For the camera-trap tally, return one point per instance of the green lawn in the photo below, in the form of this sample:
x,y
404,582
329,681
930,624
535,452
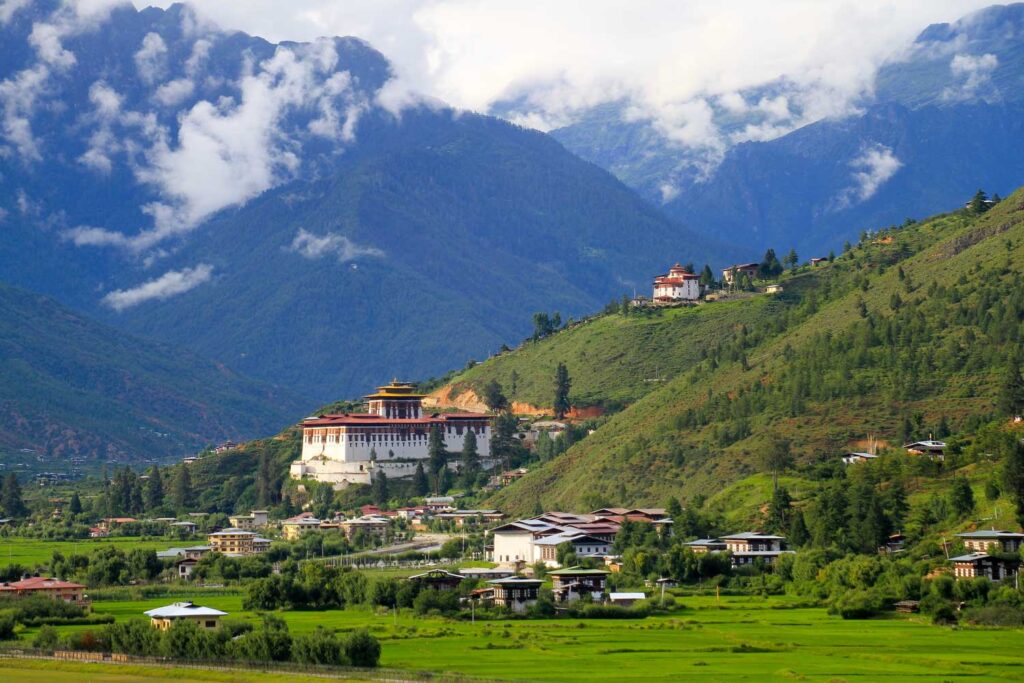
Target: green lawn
x,y
742,638
32,671
32,551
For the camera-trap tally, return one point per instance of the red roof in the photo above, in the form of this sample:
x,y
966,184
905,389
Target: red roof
x,y
37,583
372,420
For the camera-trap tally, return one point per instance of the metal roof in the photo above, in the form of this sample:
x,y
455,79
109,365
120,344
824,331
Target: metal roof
x,y
183,609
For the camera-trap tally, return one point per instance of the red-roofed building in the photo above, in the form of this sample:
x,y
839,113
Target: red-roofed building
x,y
676,285
53,588
392,438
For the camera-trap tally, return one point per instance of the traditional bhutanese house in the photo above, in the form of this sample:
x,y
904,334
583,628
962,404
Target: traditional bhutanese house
x,y
583,545
187,527
97,532
929,447
513,542
294,527
855,458
625,599
237,542
170,554
572,583
108,523
706,545
197,551
604,531
485,574
676,285
204,617
463,517
818,261
751,546
992,541
375,526
507,478
908,606
515,592
982,564
614,563
56,589
895,543
253,520
439,503
185,566
738,270
773,289
437,579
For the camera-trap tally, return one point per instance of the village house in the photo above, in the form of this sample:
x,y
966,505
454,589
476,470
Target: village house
x,y
187,527
110,523
437,504
994,568
511,476
774,289
293,527
929,447
485,574
56,589
992,541
375,526
818,261
515,592
735,272
437,579
256,519
463,517
225,447
751,546
572,583
855,458
185,566
204,617
237,542
583,545
625,599
391,438
706,545
676,285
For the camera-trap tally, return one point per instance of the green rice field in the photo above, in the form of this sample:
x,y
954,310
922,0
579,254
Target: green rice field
x,y
32,551
737,638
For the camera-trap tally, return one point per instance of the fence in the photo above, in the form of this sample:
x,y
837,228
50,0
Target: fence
x,y
347,672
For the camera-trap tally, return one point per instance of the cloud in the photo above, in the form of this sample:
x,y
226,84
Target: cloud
x,y
151,59
8,8
873,167
45,38
974,72
174,92
313,246
169,284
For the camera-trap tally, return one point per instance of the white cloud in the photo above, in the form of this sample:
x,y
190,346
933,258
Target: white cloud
x,y
331,244
200,52
18,97
174,92
106,100
151,59
8,8
45,38
873,167
169,284
974,72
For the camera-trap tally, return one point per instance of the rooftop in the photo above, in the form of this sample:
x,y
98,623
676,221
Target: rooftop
x,y
991,533
183,609
38,583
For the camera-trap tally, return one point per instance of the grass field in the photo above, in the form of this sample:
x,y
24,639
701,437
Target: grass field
x,y
32,671
32,551
740,638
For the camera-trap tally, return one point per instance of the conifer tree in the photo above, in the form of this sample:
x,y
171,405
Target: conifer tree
x,y
779,510
154,489
420,486
494,396
10,497
470,454
75,506
1011,391
265,481
1013,478
562,386
380,489
961,497
798,534
707,278
435,448
181,489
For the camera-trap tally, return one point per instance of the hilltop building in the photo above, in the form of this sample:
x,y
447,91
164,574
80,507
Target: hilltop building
x,y
676,285
738,270
391,438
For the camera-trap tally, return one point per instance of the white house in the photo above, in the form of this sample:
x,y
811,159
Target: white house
x,y
392,438
676,285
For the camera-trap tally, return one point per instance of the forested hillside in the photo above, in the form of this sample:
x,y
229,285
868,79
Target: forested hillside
x,y
908,333
72,387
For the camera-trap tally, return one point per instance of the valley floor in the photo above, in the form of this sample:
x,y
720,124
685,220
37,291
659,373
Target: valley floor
x,y
739,638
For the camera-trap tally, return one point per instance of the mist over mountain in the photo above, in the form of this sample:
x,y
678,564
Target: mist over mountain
x,y
942,119
269,206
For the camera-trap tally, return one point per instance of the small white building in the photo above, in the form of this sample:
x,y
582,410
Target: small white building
x,y
676,285
204,617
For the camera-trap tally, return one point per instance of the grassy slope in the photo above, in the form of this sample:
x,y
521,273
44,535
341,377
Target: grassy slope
x,y
613,359
642,455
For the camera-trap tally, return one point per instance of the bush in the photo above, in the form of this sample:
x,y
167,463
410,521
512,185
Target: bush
x,y
857,605
944,615
995,615
46,639
134,637
435,601
362,649
7,624
320,647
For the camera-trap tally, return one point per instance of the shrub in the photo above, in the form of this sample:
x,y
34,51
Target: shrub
x,y
362,649
995,615
46,639
134,637
7,624
319,647
857,605
430,601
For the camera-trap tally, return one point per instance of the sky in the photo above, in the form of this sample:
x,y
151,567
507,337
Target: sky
x,y
556,58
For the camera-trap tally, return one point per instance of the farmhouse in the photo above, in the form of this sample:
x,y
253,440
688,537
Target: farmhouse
x,y
515,593
437,579
187,527
56,589
676,285
391,438
992,541
750,546
931,447
774,289
855,458
204,617
625,599
982,564
733,273
706,545
583,545
484,573
572,583
370,524
254,520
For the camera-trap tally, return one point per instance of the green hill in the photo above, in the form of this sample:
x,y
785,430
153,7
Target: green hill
x,y
72,387
907,333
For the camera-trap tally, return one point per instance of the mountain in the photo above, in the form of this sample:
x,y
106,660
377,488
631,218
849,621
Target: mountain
x,y
265,205
73,388
772,176
907,334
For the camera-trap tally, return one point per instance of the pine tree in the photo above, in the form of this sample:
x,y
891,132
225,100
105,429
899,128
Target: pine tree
x,y
75,506
420,486
470,454
779,510
513,383
444,481
154,489
776,457
10,497
494,397
979,203
674,508
380,489
961,497
791,260
435,448
798,535
1011,391
1013,478
562,386
707,278
265,481
181,489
